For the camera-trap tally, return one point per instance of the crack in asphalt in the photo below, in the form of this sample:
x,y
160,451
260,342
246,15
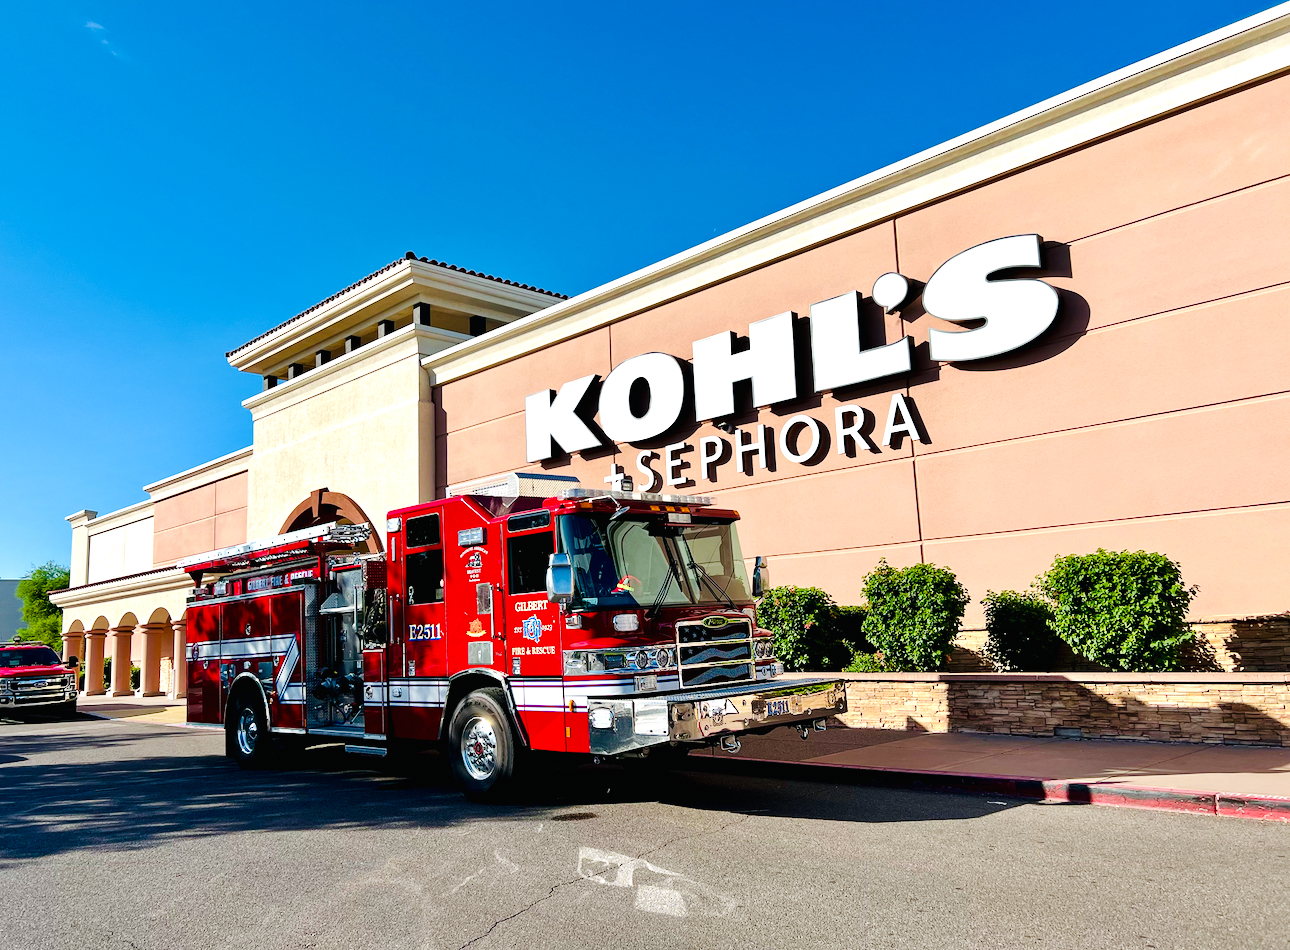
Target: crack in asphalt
x,y
522,910
555,887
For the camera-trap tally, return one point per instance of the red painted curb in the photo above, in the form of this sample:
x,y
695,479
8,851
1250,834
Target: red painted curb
x,y
1226,804
1260,808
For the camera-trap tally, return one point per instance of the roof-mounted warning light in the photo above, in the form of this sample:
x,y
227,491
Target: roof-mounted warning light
x,y
589,494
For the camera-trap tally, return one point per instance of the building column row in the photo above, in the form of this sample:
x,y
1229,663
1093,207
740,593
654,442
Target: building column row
x,y
92,662
149,643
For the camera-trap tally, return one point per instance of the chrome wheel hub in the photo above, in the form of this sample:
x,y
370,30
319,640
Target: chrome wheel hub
x,y
479,749
248,732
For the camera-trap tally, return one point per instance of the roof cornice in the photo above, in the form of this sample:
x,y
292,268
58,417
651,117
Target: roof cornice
x,y
1245,52
157,581
212,471
396,285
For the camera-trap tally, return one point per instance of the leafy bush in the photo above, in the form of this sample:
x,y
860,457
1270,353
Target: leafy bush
x,y
1126,610
135,673
865,663
914,615
1019,633
811,631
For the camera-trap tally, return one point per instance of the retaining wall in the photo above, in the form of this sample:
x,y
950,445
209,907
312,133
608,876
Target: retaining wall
x,y
1227,708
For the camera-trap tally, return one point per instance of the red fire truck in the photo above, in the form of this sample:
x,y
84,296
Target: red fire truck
x,y
525,613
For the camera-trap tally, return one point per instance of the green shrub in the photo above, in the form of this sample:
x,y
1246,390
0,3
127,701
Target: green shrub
x,y
1019,633
914,615
1126,610
865,663
135,673
811,631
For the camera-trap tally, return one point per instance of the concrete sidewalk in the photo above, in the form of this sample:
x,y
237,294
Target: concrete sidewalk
x,y
161,710
1239,781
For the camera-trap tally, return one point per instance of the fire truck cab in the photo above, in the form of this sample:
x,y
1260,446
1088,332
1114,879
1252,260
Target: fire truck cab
x,y
522,613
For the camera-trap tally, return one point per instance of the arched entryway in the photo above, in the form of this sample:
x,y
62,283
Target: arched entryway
x,y
323,507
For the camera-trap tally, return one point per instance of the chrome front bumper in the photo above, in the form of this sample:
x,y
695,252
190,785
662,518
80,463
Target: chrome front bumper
x,y
699,715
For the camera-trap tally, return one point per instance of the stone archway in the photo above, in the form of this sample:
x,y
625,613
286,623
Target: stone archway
x,y
323,507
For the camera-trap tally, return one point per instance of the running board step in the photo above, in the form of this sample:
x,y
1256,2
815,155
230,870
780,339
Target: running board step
x,y
365,749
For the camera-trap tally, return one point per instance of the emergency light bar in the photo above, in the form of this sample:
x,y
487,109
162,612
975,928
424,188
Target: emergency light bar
x,y
331,532
512,485
699,501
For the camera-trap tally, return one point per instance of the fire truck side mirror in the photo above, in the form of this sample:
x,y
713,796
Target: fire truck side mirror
x,y
559,579
758,582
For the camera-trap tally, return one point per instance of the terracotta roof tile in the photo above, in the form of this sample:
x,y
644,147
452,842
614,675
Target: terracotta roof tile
x,y
409,256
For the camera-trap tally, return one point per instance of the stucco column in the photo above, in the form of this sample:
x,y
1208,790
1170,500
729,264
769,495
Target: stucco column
x,y
150,657
121,637
93,663
73,646
179,685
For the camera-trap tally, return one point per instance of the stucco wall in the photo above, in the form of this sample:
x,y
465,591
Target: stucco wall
x,y
363,432
125,549
201,519
1147,417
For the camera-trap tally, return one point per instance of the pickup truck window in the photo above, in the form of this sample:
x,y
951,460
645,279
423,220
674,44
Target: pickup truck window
x,y
41,656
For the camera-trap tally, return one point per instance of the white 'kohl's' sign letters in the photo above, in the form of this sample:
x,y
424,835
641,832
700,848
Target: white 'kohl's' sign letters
x,y
1015,311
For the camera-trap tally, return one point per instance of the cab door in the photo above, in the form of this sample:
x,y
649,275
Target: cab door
x,y
414,690
531,625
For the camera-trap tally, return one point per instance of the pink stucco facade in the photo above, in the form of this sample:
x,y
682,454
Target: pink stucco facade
x,y
1154,414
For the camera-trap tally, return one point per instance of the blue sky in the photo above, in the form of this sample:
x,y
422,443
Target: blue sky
x,y
177,178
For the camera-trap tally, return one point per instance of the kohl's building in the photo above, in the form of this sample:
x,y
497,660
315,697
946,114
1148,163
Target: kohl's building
x,y
1064,331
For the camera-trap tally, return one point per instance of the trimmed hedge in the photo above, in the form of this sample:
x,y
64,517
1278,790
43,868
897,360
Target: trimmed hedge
x,y
1126,610
1019,634
811,631
914,615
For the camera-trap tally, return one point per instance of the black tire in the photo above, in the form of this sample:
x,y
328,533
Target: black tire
x,y
482,746
247,740
66,710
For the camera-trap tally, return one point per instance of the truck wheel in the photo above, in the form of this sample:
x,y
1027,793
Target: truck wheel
x,y
66,710
246,733
482,746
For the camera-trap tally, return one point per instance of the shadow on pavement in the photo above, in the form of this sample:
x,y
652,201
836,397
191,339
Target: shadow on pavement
x,y
129,797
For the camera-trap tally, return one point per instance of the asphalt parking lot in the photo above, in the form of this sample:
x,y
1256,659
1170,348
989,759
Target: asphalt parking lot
x,y
118,834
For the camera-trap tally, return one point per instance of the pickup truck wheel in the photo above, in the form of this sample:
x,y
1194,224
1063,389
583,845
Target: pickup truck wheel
x,y
66,710
246,733
482,746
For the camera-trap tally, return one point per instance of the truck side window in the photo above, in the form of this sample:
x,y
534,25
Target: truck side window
x,y
526,561
425,577
422,531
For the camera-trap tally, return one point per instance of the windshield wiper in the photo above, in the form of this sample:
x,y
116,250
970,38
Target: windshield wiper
x,y
667,580
712,584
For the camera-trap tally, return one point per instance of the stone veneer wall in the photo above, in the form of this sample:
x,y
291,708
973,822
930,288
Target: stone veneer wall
x,y
1242,709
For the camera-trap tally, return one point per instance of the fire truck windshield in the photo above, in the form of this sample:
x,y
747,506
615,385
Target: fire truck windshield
x,y
643,562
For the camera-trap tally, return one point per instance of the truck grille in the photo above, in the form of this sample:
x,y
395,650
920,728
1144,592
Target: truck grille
x,y
710,654
40,689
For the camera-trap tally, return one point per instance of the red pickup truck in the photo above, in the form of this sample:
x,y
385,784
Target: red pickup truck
x,y
32,676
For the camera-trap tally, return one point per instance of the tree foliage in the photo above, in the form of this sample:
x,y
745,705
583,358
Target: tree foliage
x,y
914,615
1126,610
43,622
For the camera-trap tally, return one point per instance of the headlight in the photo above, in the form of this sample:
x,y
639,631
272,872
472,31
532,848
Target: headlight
x,y
764,649
71,679
625,623
6,685
663,658
642,660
